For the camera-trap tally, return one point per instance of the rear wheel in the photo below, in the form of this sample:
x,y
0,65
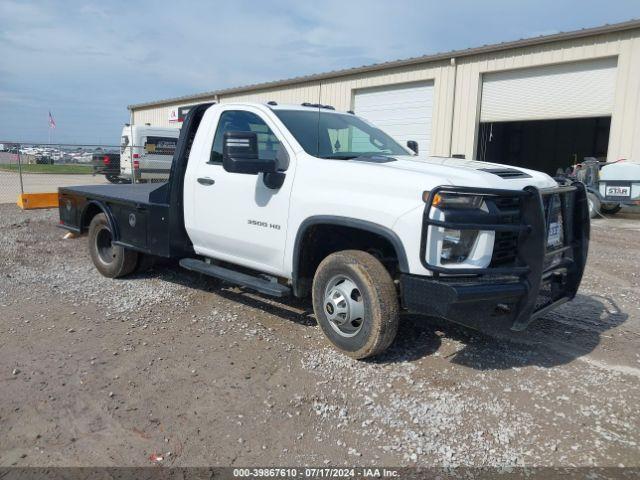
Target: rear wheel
x,y
113,179
610,208
111,260
356,304
594,205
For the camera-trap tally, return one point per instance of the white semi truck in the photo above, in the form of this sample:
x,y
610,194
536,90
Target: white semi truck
x,y
310,202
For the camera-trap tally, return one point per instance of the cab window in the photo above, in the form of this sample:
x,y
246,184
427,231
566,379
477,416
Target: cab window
x,y
241,121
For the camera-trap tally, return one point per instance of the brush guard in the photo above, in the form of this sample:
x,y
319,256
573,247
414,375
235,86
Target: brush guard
x,y
537,279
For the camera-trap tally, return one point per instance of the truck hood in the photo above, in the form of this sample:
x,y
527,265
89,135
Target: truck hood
x,y
468,173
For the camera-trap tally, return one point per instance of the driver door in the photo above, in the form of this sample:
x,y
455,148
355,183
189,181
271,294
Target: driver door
x,y
237,217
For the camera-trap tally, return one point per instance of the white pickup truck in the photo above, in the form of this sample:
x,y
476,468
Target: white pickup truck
x,y
307,201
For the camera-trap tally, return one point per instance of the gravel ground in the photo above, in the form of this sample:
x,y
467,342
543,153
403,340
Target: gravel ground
x,y
110,372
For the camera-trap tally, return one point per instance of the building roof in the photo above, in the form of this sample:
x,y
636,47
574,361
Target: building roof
x,y
496,47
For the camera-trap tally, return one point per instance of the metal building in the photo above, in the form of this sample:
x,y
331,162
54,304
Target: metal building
x,y
544,102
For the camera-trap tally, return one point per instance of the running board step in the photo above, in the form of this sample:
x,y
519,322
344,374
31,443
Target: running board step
x,y
237,278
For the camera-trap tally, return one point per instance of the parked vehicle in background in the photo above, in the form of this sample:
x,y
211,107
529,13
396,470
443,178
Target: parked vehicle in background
x,y
609,185
146,152
107,164
310,202
43,159
8,147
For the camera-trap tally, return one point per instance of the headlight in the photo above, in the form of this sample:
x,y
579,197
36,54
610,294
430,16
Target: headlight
x,y
446,200
453,247
457,245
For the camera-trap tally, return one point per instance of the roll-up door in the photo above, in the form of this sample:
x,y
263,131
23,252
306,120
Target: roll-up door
x,y
403,111
568,90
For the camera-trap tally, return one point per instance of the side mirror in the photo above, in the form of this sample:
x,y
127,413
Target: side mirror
x,y
413,145
240,154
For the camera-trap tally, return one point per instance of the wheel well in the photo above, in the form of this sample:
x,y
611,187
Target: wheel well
x,y
89,212
320,240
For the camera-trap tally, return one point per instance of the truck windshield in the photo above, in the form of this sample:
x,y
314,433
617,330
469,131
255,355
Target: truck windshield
x,y
337,135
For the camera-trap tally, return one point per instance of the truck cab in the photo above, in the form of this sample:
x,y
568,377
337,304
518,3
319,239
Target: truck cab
x,y
303,200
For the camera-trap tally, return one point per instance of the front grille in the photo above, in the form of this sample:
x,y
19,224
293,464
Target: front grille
x,y
505,247
508,211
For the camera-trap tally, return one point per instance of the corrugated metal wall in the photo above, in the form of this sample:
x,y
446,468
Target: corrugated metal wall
x,y
465,76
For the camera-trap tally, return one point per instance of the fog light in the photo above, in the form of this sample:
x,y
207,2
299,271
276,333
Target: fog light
x,y
457,245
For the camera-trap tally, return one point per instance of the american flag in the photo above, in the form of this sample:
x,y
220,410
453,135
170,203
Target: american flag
x,y
52,122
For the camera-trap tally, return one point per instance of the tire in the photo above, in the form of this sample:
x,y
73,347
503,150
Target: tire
x,y
372,303
110,260
610,208
113,179
594,205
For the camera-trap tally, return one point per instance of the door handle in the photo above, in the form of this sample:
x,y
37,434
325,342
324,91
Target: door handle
x,y
206,181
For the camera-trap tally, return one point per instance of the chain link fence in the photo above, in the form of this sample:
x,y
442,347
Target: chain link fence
x,y
43,168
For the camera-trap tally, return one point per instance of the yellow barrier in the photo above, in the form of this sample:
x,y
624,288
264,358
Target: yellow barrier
x,y
30,201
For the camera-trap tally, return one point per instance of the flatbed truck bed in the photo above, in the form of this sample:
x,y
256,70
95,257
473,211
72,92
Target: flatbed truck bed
x,y
139,214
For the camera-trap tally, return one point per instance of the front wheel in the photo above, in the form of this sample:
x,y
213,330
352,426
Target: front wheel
x,y
594,205
356,304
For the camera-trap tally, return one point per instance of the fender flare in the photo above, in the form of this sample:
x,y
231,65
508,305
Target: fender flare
x,y
378,229
100,205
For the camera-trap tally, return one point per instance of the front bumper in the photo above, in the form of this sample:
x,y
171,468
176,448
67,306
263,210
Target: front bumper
x,y
539,277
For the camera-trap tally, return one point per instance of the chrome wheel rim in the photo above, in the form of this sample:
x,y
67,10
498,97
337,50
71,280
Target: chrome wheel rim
x,y
343,306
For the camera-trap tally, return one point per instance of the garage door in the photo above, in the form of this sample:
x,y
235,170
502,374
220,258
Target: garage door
x,y
404,112
568,90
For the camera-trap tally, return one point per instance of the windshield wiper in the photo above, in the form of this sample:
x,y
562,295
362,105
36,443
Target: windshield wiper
x,y
340,157
373,158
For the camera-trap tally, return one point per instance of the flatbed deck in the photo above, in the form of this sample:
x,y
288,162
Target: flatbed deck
x,y
135,193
